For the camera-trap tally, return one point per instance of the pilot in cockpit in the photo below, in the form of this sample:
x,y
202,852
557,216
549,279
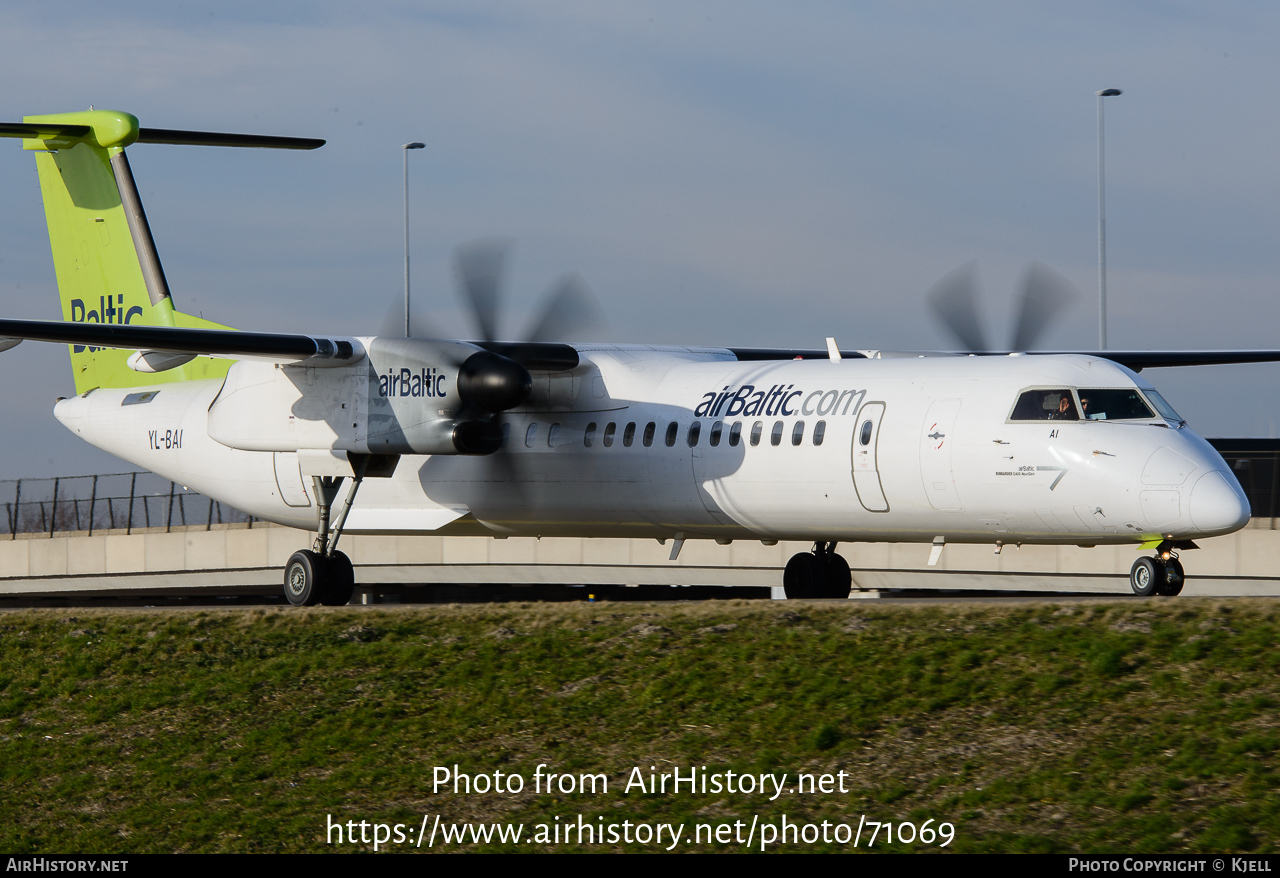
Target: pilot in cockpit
x,y
1065,411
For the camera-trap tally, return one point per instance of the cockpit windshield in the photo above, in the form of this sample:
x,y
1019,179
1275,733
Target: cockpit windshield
x,y
1045,405
1093,404
1114,405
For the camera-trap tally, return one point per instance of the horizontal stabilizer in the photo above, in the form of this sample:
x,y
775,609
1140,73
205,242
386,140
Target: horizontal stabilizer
x,y
210,138
109,128
42,132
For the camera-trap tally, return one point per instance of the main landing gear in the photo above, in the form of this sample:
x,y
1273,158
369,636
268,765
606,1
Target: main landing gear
x,y
817,574
1160,575
322,574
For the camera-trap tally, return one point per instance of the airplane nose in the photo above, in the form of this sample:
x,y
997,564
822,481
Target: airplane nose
x,y
1218,505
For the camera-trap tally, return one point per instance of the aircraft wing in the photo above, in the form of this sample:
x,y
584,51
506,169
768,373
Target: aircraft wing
x,y
1139,360
232,344
277,347
293,348
1135,360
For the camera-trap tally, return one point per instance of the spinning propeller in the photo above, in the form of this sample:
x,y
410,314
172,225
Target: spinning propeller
x,y
497,379
1045,294
569,309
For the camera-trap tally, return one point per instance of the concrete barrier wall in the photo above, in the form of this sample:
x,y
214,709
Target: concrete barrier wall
x,y
258,555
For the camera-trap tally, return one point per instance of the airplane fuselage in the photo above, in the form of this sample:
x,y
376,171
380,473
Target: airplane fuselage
x,y
667,442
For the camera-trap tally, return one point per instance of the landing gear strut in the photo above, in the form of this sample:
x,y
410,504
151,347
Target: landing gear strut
x,y
322,574
817,574
1161,574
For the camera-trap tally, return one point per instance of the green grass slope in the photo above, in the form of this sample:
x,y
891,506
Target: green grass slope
x,y
1094,727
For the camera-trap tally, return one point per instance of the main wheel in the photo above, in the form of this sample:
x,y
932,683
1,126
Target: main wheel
x,y
305,578
1173,580
839,581
804,577
342,581
1145,576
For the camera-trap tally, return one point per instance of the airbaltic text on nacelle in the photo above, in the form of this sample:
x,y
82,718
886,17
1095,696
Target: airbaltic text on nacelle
x,y
779,399
426,382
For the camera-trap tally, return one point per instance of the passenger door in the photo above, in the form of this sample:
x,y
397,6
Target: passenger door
x,y
866,468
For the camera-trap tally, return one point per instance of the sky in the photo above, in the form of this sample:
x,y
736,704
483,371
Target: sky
x,y
720,173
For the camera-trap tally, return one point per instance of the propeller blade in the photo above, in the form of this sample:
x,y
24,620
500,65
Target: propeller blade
x,y
392,324
571,309
954,302
505,464
480,265
1045,295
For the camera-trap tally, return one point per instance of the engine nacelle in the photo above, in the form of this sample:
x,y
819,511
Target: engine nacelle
x,y
407,396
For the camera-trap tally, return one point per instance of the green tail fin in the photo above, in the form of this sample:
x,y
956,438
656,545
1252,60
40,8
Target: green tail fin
x,y
105,259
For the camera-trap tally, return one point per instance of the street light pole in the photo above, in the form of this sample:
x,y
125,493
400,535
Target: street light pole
x,y
1102,223
405,149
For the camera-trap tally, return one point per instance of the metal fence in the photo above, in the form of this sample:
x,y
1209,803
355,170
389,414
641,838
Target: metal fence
x,y
113,501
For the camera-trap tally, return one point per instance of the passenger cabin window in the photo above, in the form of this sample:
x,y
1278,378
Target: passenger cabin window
x,y
673,430
756,429
609,430
531,435
695,430
506,434
649,429
589,437
1114,405
717,430
819,432
1045,405
629,434
735,434
797,433
775,438
553,433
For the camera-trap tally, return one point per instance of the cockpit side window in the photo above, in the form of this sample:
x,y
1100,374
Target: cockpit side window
x,y
1164,408
1124,404
1046,405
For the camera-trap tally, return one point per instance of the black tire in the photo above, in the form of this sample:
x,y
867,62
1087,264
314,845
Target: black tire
x,y
1145,576
342,581
1173,580
305,578
839,581
804,577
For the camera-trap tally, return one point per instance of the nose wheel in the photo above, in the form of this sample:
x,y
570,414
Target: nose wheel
x,y
817,574
1158,575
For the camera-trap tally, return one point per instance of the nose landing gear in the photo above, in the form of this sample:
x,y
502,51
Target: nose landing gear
x,y
1161,575
817,574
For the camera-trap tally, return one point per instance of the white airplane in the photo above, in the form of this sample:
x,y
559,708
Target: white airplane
x,y
542,438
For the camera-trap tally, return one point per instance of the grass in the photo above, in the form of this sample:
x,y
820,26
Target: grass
x,y
1097,727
